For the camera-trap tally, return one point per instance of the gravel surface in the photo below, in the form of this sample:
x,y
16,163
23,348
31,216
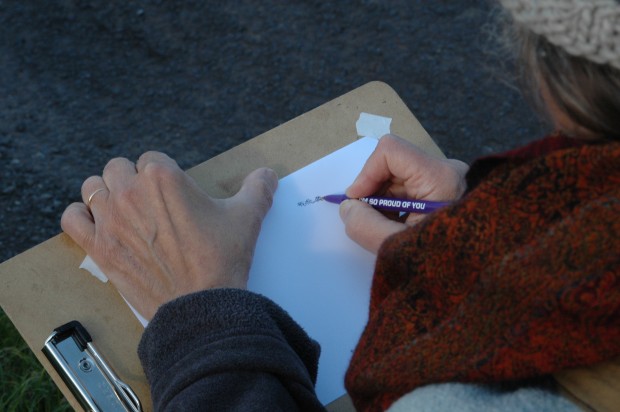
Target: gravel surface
x,y
83,81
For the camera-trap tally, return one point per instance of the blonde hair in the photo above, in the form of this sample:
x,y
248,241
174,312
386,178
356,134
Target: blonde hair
x,y
581,76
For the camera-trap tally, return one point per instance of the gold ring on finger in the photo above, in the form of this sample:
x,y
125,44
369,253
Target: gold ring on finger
x,y
90,198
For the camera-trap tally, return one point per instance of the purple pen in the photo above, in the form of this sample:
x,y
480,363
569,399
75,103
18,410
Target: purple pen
x,y
393,205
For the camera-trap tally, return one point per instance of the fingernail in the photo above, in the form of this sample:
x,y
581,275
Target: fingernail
x,y
271,176
344,208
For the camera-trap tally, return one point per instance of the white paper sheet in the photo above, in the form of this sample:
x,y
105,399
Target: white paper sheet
x,y
305,262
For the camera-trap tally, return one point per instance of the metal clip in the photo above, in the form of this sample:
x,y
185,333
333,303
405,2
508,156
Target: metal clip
x,y
96,387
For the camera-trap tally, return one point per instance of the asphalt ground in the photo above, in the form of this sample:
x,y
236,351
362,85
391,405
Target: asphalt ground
x,y
83,81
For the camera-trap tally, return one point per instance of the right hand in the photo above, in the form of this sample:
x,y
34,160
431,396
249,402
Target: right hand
x,y
398,168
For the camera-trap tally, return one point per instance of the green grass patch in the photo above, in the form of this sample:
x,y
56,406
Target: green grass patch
x,y
25,384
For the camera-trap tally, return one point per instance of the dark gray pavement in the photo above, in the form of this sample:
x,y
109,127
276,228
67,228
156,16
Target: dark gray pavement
x,y
82,81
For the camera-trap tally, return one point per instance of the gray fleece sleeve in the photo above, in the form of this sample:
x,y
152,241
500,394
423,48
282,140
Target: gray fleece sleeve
x,y
228,349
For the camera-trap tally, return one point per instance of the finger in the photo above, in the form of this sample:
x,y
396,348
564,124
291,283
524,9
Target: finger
x,y
154,157
257,191
92,193
118,173
390,159
78,223
366,226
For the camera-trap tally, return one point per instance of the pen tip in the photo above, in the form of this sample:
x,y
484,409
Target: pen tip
x,y
334,198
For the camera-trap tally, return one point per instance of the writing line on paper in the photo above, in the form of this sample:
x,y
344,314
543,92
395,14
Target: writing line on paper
x,y
310,201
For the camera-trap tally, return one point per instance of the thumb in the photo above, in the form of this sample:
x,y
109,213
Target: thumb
x,y
257,191
366,226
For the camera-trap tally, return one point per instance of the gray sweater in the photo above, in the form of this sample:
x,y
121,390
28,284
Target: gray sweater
x,y
228,350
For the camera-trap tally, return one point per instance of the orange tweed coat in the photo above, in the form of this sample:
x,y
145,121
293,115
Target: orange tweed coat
x,y
518,279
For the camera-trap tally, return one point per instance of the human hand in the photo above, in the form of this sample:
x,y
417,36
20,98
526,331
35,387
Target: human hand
x,y
158,236
399,169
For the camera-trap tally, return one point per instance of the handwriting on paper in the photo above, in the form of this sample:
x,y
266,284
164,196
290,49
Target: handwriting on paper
x,y
310,201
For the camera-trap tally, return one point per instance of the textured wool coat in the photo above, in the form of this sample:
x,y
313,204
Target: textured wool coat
x,y
520,278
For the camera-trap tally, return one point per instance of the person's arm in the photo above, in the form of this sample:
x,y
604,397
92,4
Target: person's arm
x,y
228,350
171,249
397,168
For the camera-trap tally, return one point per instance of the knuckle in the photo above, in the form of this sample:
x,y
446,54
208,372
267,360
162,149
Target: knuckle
x,y
152,154
161,172
452,180
389,140
112,163
90,181
66,219
385,141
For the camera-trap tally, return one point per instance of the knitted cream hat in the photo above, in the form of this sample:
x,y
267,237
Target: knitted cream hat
x,y
585,28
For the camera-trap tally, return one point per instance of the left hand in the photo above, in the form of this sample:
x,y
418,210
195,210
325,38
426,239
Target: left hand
x,y
158,236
